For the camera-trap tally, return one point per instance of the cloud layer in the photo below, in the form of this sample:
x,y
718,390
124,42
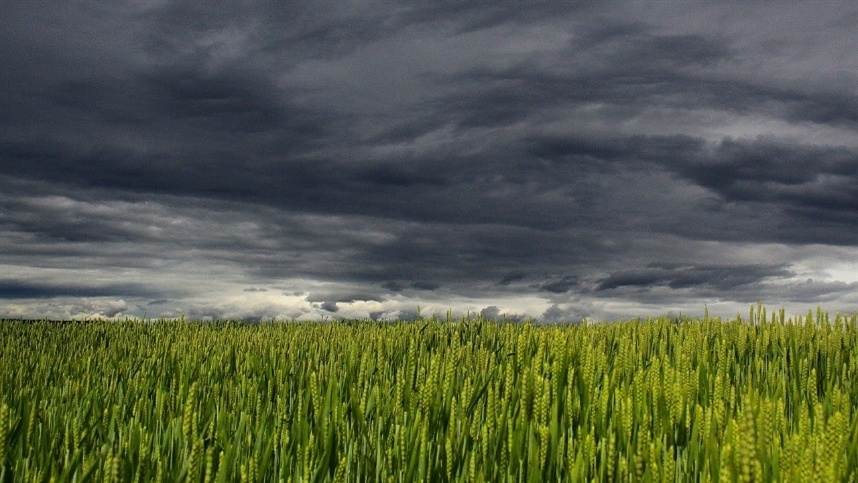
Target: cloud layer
x,y
310,161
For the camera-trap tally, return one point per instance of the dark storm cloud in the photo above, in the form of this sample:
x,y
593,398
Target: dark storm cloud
x,y
28,290
423,285
284,159
465,17
194,121
623,66
512,277
407,152
420,285
659,289
462,256
807,292
342,297
632,70
225,102
678,277
564,314
561,285
492,312
821,180
329,306
816,185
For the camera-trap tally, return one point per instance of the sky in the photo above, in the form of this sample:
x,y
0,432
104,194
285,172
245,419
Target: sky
x,y
326,160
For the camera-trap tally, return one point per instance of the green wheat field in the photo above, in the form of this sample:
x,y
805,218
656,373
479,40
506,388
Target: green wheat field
x,y
767,398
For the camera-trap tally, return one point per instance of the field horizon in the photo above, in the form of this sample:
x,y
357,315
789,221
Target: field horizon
x,y
754,314
767,398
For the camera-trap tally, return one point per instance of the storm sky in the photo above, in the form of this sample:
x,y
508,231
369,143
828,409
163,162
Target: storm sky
x,y
358,160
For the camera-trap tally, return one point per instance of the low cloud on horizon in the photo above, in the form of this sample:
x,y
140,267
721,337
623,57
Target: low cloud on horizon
x,y
323,160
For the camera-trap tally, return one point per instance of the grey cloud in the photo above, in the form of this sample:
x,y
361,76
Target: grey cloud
x,y
423,285
409,314
660,285
631,79
406,153
331,301
234,103
465,17
724,277
815,184
346,297
206,104
330,306
492,312
808,292
382,175
512,277
28,290
819,178
420,285
569,313
561,285
393,286
265,30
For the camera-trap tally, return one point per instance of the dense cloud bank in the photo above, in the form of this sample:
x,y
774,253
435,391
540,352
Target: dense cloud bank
x,y
321,160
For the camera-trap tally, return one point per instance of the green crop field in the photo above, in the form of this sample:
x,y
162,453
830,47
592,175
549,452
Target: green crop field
x,y
764,399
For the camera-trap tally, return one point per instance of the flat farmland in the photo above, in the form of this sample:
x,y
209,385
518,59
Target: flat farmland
x,y
767,398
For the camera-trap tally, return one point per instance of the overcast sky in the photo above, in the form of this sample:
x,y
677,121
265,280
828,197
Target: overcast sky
x,y
335,159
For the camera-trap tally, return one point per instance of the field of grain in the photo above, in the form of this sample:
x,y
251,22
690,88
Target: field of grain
x,y
765,399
